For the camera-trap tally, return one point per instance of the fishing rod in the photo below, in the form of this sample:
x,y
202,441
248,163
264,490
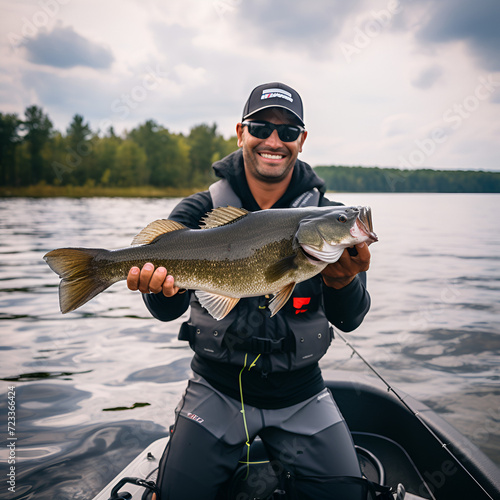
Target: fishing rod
x,y
416,414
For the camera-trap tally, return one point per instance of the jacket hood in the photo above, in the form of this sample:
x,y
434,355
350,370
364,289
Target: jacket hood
x,y
303,179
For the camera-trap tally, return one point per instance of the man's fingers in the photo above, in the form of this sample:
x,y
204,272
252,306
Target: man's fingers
x,y
345,259
145,277
149,280
168,286
349,265
156,282
363,252
363,257
133,278
342,272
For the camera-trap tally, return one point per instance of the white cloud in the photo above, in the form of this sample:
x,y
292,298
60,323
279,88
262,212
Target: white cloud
x,y
428,77
186,62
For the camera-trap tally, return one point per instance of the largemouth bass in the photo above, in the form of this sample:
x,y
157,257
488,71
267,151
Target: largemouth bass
x,y
235,254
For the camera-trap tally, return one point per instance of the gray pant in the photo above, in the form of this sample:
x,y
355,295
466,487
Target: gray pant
x,y
310,439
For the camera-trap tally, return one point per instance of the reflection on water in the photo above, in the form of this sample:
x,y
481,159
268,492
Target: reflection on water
x,y
95,386
122,408
176,370
40,375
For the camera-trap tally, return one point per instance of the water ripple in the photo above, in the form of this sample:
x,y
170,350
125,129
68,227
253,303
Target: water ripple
x,y
95,386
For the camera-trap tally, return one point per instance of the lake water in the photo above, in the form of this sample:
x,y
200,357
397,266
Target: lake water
x,y
94,387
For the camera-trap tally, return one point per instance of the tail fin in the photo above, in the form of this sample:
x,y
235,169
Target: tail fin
x,y
81,279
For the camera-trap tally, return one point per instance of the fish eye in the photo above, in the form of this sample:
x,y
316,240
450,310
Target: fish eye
x,y
342,218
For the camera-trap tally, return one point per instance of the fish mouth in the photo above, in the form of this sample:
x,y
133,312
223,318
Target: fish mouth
x,y
327,255
311,258
365,224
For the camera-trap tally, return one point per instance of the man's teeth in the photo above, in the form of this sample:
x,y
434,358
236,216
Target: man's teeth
x,y
271,157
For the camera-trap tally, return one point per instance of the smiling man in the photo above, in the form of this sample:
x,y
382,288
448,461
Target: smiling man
x,y
251,374
270,158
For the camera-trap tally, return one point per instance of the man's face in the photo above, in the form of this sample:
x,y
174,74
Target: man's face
x,y
269,160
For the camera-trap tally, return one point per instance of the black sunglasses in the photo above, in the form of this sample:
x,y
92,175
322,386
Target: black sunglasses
x,y
262,130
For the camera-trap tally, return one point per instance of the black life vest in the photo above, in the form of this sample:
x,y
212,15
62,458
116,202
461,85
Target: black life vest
x,y
297,336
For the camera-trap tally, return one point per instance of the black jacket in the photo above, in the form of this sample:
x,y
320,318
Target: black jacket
x,y
344,308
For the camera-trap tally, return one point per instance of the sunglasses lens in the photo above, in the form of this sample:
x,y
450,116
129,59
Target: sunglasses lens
x,y
262,130
288,133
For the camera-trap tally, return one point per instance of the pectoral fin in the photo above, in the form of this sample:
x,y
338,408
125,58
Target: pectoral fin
x,y
280,298
277,270
219,306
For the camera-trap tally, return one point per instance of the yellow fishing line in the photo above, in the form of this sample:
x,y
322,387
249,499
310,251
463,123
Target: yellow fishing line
x,y
253,362
243,412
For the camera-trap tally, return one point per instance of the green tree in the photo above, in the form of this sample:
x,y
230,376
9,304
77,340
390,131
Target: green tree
x,y
60,161
174,171
38,129
151,138
9,139
130,165
78,132
223,146
80,149
202,142
106,149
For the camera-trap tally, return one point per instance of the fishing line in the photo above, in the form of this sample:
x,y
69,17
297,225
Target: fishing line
x,y
413,412
247,444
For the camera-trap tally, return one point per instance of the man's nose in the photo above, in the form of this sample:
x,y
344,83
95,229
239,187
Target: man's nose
x,y
273,141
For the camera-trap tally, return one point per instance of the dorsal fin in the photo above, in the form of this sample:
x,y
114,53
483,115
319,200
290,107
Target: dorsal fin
x,y
155,229
221,216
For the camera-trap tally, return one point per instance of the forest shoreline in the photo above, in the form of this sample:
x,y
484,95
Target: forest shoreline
x,y
48,191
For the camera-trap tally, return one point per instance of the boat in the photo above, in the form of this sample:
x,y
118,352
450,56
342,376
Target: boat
x,y
401,443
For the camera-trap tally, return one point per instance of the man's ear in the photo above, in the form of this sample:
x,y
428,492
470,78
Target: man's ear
x,y
239,133
302,140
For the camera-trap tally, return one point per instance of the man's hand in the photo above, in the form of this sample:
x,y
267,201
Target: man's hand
x,y
341,273
149,280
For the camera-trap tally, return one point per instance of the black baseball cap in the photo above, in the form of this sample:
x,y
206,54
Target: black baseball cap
x,y
274,95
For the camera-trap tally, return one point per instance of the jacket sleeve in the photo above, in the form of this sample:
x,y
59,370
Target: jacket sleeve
x,y
166,308
188,212
191,210
346,308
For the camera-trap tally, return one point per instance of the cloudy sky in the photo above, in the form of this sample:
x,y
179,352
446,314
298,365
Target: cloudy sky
x,y
389,83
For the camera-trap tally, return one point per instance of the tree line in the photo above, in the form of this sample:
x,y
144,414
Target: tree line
x,y
33,152
374,179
